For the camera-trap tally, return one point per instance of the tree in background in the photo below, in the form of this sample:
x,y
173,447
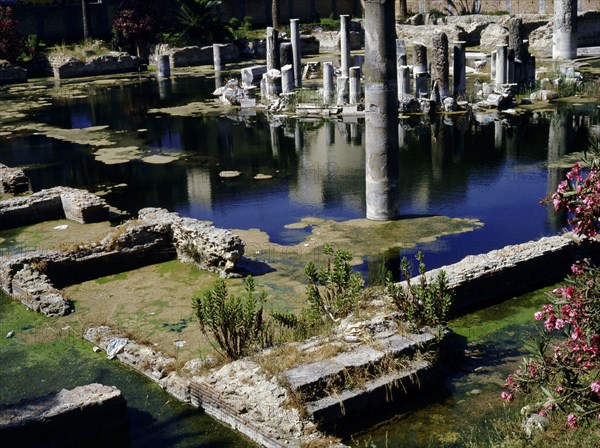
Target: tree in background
x,y
138,21
403,8
275,13
11,44
201,21
86,19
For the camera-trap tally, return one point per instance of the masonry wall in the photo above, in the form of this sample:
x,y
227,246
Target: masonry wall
x,y
489,6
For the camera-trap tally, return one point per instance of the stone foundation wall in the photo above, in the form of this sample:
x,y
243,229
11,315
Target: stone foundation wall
x,y
55,203
481,280
69,67
35,278
91,413
488,6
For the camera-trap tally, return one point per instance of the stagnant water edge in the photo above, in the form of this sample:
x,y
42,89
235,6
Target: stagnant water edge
x,y
45,356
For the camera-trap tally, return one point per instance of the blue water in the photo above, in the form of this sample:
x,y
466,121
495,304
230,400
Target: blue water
x,y
494,172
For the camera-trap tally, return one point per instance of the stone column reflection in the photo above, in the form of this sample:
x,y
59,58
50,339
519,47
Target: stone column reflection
x,y
558,139
381,110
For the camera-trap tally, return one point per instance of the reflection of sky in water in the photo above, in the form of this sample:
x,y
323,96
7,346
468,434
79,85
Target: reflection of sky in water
x,y
494,172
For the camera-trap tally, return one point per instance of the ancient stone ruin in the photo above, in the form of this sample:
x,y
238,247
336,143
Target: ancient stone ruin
x,y
34,278
65,67
13,180
47,205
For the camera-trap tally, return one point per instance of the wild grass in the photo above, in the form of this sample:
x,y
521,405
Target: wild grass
x,y
82,51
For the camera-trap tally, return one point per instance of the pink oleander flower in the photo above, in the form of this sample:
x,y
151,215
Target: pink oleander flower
x,y
559,325
595,386
506,396
559,389
576,269
549,323
572,421
538,315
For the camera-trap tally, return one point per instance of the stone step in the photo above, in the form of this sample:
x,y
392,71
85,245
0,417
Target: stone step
x,y
329,410
311,379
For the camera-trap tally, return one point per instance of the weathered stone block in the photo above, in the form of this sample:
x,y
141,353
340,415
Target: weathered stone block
x,y
13,180
115,62
251,76
9,74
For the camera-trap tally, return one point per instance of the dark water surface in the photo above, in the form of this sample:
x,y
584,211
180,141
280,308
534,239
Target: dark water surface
x,y
492,168
45,356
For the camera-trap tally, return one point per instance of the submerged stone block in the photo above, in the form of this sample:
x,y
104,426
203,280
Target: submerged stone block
x,y
91,413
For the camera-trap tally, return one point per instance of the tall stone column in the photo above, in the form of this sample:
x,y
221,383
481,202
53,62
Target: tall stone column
x,y
286,54
345,44
515,37
510,66
403,81
343,94
296,52
328,86
400,53
354,85
440,66
217,57
273,57
459,75
421,85
287,79
564,36
381,110
501,63
163,68
419,58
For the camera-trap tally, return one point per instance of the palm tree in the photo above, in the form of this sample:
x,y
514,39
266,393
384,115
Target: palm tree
x,y
86,19
275,13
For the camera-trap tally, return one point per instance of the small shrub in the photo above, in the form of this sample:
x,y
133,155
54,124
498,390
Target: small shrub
x,y
333,289
235,323
332,293
425,303
463,7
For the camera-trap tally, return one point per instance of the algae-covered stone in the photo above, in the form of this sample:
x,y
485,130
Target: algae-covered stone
x,y
158,159
115,156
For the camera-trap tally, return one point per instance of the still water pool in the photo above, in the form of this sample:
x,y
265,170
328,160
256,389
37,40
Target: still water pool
x,y
489,167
